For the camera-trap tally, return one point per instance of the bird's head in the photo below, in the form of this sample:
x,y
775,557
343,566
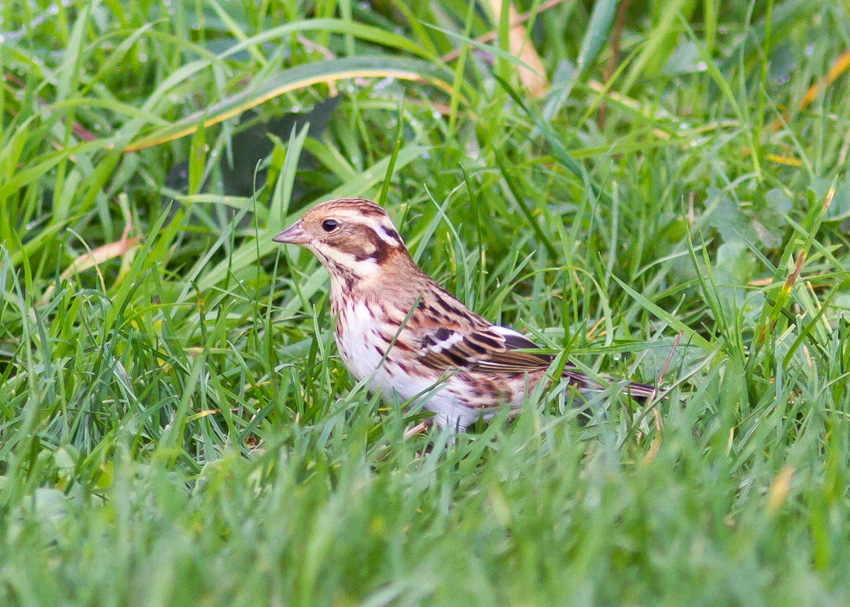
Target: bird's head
x,y
352,237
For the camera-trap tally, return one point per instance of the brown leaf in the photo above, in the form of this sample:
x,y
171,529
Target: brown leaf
x,y
534,79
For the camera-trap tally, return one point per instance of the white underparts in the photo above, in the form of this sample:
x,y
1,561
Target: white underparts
x,y
362,347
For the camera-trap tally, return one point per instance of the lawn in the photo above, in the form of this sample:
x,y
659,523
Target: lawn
x,y
658,190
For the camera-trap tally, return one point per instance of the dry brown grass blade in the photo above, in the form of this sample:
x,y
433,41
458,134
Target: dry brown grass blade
x,y
326,54
839,67
668,361
79,131
95,257
778,491
417,429
451,56
611,67
534,79
656,416
656,440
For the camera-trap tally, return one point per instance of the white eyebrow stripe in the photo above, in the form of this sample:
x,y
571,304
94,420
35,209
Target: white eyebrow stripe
x,y
383,235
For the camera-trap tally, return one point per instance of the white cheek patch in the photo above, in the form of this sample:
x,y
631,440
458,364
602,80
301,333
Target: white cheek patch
x,y
366,267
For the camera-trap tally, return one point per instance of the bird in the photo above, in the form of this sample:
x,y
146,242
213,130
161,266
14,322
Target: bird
x,y
410,337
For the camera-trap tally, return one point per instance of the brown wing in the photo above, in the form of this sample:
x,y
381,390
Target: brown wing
x,y
488,348
494,349
450,336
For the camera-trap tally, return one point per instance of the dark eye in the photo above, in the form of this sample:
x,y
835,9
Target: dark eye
x,y
329,225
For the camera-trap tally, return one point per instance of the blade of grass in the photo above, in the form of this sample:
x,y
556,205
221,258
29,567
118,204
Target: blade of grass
x,y
292,79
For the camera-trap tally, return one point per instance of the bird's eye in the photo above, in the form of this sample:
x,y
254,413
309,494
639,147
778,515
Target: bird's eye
x,y
329,225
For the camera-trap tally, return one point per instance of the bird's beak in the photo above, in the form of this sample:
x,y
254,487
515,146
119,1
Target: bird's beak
x,y
294,234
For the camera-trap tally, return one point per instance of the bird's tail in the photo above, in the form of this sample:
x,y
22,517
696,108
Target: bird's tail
x,y
634,389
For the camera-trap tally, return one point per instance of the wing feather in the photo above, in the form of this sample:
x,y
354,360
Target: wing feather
x,y
448,336
497,349
490,348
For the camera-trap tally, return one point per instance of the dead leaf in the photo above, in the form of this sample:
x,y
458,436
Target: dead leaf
x,y
534,79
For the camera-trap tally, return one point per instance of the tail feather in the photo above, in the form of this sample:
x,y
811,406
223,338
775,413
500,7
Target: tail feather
x,y
634,389
638,390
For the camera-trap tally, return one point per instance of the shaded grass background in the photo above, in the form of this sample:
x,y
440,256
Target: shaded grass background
x,y
176,427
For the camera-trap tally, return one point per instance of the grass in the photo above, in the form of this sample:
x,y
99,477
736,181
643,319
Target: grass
x,y
176,427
